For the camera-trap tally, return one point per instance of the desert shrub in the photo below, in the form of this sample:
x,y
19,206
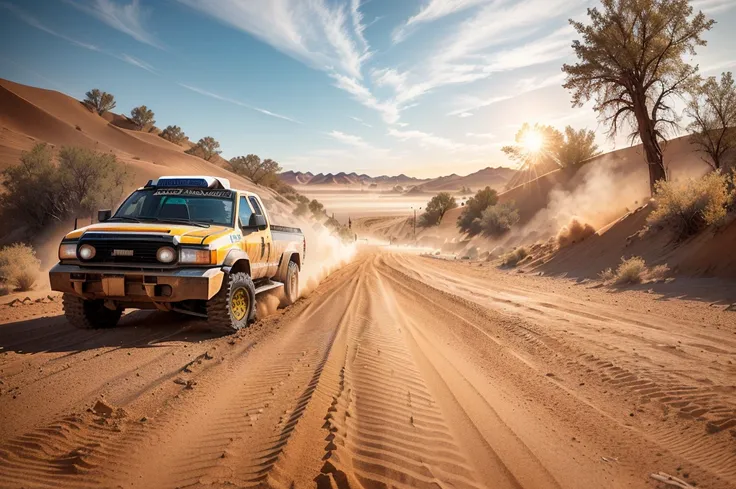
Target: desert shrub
x,y
173,134
301,209
142,117
469,220
629,271
574,232
19,267
316,208
436,209
206,148
90,180
99,101
38,192
634,271
658,273
513,258
688,207
261,172
498,219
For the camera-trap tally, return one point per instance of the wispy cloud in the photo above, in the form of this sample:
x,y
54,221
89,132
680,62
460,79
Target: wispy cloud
x,y
207,93
362,94
360,121
137,62
326,36
434,10
128,18
469,104
34,22
350,139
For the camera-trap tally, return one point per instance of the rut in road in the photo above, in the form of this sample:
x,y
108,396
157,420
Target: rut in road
x,y
390,374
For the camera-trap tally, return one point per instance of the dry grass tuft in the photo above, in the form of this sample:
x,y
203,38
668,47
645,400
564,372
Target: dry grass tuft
x,y
19,267
514,257
574,232
634,271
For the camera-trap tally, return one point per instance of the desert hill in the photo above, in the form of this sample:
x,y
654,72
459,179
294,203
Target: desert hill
x,y
599,192
30,115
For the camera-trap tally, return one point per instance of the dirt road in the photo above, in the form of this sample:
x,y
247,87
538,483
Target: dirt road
x,y
397,371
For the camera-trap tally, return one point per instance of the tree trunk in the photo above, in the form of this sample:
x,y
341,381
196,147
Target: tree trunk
x,y
652,149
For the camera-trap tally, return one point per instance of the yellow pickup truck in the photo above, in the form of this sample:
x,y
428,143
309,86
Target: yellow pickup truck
x,y
192,245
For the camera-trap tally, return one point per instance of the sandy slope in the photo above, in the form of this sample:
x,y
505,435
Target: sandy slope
x,y
398,371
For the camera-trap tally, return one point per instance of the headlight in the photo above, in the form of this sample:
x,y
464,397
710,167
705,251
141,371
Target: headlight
x,y
166,254
68,251
87,252
195,256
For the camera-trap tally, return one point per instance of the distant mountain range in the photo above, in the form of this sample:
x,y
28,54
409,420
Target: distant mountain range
x,y
493,177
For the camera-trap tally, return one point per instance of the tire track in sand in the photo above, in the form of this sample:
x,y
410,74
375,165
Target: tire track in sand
x,y
385,429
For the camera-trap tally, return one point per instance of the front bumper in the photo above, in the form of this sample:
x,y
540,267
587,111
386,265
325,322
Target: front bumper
x,y
137,285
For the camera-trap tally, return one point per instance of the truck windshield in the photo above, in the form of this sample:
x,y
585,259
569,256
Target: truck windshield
x,y
186,205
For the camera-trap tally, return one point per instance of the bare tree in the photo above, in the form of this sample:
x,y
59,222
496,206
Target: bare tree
x,y
259,171
98,101
142,117
712,107
631,63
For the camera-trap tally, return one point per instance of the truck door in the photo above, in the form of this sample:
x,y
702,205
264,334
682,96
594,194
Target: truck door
x,y
254,240
267,251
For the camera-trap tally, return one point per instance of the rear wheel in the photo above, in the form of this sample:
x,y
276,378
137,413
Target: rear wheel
x,y
89,314
234,305
291,285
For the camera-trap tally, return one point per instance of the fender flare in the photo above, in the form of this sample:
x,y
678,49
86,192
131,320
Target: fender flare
x,y
237,260
286,258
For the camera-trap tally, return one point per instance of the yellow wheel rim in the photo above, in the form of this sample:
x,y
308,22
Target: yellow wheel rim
x,y
239,304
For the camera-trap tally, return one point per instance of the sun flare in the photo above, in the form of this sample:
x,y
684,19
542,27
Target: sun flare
x,y
533,141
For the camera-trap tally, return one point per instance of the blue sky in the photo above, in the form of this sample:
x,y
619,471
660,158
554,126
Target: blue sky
x,y
423,87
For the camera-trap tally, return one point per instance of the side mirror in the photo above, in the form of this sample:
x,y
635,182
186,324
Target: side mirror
x,y
257,221
104,215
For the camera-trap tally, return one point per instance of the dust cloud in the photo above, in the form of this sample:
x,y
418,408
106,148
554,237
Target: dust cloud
x,y
325,254
603,194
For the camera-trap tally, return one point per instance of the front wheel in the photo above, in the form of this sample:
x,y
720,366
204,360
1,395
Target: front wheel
x,y
291,285
89,314
233,307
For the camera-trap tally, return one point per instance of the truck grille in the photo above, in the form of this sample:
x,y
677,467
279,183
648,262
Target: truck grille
x,y
128,249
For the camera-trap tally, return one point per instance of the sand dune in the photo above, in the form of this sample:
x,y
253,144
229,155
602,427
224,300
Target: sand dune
x,y
30,115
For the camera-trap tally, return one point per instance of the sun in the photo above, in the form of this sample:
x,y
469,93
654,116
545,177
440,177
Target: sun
x,y
533,141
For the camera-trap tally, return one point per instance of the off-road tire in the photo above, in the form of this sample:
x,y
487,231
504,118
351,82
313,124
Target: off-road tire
x,y
89,314
219,312
291,284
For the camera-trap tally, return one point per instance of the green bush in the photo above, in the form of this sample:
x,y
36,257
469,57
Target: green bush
x,y
436,209
173,134
39,192
469,220
497,220
688,207
19,267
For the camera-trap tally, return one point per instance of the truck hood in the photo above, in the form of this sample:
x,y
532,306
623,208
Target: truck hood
x,y
193,235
